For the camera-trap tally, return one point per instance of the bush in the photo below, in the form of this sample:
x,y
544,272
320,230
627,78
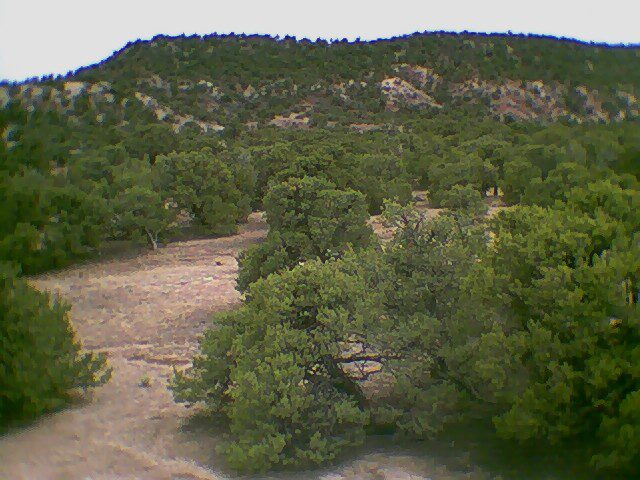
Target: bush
x,y
381,177
464,198
45,221
206,186
40,359
308,218
567,280
423,289
272,368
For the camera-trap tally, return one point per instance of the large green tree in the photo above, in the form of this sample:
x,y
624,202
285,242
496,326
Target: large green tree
x,y
308,218
203,184
45,221
273,369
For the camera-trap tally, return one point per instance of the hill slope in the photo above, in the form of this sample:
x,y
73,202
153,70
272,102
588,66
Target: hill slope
x,y
214,82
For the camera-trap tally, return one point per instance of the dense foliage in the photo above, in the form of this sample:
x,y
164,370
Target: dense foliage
x,y
308,218
208,188
530,320
230,80
40,358
44,221
272,369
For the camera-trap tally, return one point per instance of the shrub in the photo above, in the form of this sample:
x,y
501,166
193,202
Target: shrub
x,y
567,280
272,368
464,198
40,359
308,218
206,186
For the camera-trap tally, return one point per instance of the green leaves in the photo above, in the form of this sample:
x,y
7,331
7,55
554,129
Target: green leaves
x,y
559,281
139,206
272,369
41,361
201,183
308,218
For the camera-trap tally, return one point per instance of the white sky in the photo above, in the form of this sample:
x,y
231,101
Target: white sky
x,y
54,36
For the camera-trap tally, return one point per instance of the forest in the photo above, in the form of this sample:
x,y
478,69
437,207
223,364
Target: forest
x,y
523,322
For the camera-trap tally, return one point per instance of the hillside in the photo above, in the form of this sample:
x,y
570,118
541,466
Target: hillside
x,y
215,82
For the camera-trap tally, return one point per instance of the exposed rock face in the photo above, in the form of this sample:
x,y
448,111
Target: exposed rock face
x,y
398,92
343,89
55,99
178,121
632,106
592,103
185,100
32,94
517,100
629,99
249,92
73,89
294,120
185,85
154,81
205,83
367,127
419,75
100,88
182,120
161,112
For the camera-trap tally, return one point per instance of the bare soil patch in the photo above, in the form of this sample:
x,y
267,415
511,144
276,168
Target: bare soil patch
x,y
146,312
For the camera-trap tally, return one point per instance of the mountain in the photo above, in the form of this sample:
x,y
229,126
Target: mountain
x,y
247,82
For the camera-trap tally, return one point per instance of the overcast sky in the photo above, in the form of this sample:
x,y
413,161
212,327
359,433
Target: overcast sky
x,y
54,36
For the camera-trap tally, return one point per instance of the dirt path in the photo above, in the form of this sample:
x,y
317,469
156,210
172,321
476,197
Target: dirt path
x,y
146,312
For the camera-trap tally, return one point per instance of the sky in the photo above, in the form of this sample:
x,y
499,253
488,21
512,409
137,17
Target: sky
x,y
39,37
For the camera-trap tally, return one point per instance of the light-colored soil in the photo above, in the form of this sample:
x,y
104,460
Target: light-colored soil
x,y
146,313
420,199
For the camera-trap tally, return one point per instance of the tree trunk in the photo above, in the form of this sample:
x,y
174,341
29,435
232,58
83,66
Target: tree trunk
x,y
153,239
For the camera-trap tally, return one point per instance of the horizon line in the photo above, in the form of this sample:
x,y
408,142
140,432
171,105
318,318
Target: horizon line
x,y
329,41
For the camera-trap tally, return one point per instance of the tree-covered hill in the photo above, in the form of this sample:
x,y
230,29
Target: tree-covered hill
x,y
238,81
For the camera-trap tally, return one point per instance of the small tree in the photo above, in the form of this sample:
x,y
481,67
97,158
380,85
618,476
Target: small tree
x,y
464,198
308,218
139,206
423,288
207,187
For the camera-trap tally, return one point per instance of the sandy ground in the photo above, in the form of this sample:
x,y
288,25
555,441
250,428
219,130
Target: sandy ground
x,y
146,313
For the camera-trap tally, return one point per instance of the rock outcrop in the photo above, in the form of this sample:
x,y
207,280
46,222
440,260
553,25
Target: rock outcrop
x,y
515,99
425,77
178,121
398,93
294,120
